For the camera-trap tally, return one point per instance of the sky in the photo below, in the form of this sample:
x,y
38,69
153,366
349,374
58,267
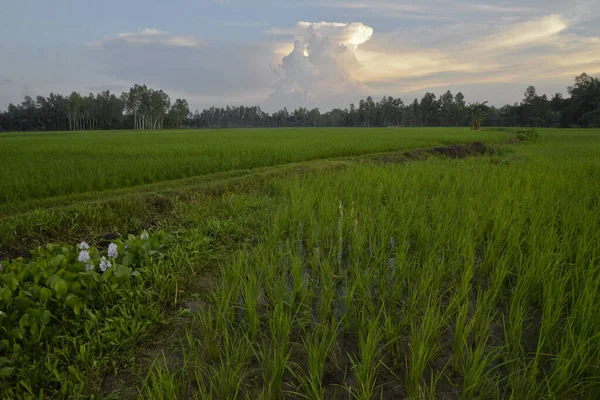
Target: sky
x,y
313,53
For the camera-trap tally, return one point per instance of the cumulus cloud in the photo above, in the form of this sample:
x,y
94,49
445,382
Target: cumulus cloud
x,y
322,68
330,64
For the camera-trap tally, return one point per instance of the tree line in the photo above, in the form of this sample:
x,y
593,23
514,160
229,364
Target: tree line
x,y
139,108
144,108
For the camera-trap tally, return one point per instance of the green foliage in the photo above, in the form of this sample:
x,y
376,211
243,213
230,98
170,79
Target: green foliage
x,y
528,135
477,111
52,302
146,108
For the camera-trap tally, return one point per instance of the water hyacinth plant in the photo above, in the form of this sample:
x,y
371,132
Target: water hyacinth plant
x,y
112,251
58,291
84,256
104,264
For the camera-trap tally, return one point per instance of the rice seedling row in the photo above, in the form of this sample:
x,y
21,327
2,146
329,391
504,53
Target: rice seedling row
x,y
445,278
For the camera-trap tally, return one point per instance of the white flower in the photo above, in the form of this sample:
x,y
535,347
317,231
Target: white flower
x,y
104,264
144,235
112,251
83,246
1,313
84,256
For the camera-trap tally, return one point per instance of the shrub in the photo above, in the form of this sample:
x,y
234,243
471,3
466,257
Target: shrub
x,y
528,135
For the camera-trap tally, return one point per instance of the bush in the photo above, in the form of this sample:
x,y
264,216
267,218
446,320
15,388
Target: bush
x,y
528,135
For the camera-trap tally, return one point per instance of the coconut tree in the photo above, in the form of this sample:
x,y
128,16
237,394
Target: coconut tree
x,y
477,111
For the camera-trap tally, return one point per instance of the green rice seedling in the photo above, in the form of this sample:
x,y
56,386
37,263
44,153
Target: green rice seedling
x,y
225,375
201,387
326,295
499,275
350,307
564,377
464,286
421,291
364,293
476,370
431,391
276,352
483,319
162,384
318,343
276,293
423,346
514,327
394,332
526,383
553,308
302,293
576,364
210,335
225,299
462,331
340,245
251,294
367,362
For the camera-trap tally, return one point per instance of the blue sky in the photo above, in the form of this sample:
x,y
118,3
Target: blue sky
x,y
323,53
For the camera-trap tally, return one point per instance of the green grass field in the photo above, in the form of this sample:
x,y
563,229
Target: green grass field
x,y
41,165
329,276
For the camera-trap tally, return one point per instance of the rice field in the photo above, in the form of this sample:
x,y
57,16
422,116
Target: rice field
x,y
48,164
449,279
385,279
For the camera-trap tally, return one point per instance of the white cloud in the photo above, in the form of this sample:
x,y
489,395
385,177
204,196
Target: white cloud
x,y
537,51
330,64
537,31
322,67
154,36
397,48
